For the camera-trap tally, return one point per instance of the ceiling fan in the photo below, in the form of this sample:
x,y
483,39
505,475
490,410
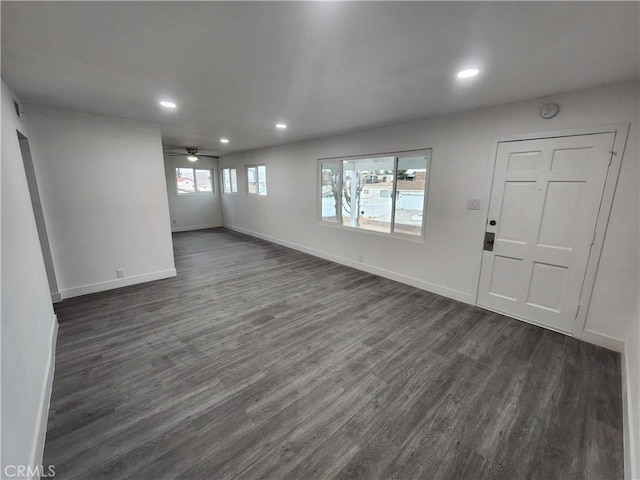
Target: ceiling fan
x,y
192,154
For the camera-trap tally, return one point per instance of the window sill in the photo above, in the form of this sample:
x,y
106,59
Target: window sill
x,y
194,194
399,236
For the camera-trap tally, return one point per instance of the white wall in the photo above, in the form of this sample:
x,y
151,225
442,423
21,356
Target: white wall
x,y
632,398
28,323
200,210
102,186
448,262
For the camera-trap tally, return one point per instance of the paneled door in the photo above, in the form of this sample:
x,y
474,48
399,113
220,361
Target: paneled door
x,y
543,209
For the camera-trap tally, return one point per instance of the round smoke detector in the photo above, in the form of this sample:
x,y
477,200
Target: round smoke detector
x,y
549,110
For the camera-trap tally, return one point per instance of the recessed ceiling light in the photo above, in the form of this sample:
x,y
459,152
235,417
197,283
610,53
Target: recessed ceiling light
x,y
468,73
281,126
167,104
192,158
224,140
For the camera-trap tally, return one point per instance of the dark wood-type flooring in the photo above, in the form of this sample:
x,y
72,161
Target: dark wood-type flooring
x,y
258,361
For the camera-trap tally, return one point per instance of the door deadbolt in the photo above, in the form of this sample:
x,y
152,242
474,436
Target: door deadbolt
x,y
492,223
489,238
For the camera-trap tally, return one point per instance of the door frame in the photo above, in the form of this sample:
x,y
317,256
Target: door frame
x,y
621,131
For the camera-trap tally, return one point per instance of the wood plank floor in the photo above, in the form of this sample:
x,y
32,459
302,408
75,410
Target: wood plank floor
x,y
258,361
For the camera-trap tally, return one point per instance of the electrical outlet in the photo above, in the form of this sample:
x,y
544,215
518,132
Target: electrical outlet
x,y
120,273
473,204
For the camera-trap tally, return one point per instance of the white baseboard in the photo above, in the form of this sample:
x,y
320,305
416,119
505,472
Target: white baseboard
x,y
605,341
398,277
631,468
625,418
195,227
120,282
37,450
56,297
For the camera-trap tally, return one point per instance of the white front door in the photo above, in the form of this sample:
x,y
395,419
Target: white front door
x,y
544,204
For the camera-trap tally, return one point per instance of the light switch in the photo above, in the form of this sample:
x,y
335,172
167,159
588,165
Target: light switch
x,y
473,204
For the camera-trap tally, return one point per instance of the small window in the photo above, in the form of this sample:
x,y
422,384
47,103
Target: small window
x,y
204,181
193,180
330,191
229,180
257,180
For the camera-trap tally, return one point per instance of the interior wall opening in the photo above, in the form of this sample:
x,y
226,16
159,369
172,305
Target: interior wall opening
x,y
38,213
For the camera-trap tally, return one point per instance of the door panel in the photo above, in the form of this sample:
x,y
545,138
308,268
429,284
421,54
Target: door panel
x,y
505,276
558,225
516,208
523,161
545,200
547,286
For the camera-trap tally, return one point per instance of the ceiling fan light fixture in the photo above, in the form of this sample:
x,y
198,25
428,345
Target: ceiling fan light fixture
x,y
281,126
224,140
167,104
192,158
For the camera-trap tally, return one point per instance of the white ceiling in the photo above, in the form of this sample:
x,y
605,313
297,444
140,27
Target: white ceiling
x,y
236,68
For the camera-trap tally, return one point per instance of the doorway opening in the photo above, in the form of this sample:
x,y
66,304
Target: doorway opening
x,y
38,213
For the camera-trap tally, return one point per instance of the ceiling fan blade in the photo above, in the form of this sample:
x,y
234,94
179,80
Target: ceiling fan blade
x,y
172,154
207,156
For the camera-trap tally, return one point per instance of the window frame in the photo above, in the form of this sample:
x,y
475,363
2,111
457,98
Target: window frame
x,y
257,182
195,181
426,152
222,182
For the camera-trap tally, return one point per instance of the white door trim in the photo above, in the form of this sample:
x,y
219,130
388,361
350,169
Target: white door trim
x,y
621,131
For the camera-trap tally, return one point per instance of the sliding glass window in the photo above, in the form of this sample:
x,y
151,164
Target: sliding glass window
x,y
382,193
193,180
257,180
229,180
